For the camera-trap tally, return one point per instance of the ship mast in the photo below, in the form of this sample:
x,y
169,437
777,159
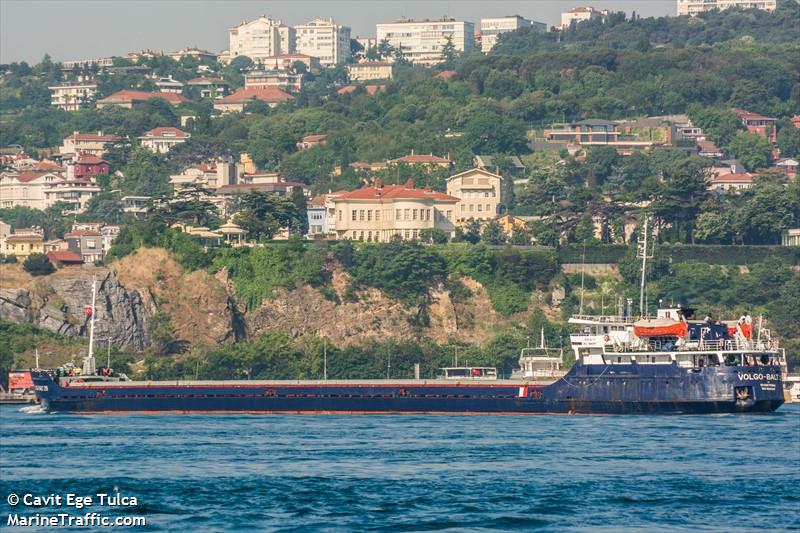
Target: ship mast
x,y
88,362
643,254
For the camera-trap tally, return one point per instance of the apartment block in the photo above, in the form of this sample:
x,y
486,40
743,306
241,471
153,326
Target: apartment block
x,y
325,40
422,41
492,27
260,38
72,96
693,7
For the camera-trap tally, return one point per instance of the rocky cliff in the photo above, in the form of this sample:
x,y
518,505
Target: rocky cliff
x,y
201,308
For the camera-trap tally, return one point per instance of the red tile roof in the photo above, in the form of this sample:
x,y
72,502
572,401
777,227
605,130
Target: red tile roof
x,y
82,233
446,74
747,115
87,159
24,237
420,159
45,165
313,138
742,177
163,131
64,256
265,94
26,177
127,95
370,89
396,192
360,166
708,146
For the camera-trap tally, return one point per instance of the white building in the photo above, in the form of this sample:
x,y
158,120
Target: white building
x,y
325,40
287,81
260,38
422,41
580,14
492,27
693,7
370,70
40,190
162,140
72,96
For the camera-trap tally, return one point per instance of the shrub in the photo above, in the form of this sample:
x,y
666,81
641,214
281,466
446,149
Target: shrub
x,y
38,265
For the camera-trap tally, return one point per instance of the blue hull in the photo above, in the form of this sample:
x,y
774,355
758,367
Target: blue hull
x,y
586,389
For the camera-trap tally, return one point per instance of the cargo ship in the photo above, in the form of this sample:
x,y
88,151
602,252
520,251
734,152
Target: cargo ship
x,y
670,363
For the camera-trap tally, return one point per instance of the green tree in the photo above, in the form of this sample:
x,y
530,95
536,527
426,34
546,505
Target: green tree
x,y
300,225
788,139
262,214
38,265
752,150
493,234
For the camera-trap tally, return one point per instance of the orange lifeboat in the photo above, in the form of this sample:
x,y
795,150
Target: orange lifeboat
x,y
660,327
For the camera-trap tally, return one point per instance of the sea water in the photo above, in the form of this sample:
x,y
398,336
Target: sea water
x,y
412,473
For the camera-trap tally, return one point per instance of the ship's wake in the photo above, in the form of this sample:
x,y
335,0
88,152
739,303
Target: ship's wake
x,y
33,410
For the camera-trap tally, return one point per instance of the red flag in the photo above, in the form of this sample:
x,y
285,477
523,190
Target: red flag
x,y
88,309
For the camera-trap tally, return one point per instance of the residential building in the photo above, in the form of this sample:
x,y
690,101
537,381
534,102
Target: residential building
x,y
222,172
136,205
210,87
383,212
492,27
88,143
72,96
370,70
87,166
514,165
287,62
26,189
422,41
5,231
580,14
791,237
86,243
55,245
101,63
168,85
281,79
23,242
129,98
310,141
260,38
788,166
708,149
366,43
236,102
426,160
693,7
508,223
317,217
482,195
195,53
325,40
732,183
591,131
64,258
759,124
226,197
74,192
162,140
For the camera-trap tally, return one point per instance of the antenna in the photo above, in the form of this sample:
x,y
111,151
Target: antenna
x,y
644,254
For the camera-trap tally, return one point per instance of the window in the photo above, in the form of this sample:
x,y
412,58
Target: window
x,y
369,215
377,215
340,215
471,208
354,215
414,214
407,214
449,215
463,207
361,214
398,217
406,233
488,207
480,207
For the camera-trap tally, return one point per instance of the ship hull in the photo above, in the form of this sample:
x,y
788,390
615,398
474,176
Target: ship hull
x,y
586,389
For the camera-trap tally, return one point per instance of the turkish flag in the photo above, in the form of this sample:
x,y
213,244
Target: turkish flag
x,y
88,309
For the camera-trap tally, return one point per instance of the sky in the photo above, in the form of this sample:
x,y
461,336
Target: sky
x,y
89,29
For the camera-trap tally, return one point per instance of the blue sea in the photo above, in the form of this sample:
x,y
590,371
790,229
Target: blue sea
x,y
413,473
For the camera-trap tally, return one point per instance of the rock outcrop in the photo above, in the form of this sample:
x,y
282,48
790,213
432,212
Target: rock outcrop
x,y
15,305
59,305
